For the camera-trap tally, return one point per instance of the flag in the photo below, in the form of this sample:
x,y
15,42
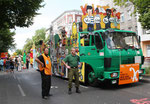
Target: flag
x,y
24,58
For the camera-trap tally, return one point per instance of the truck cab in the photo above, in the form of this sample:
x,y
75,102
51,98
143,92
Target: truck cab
x,y
104,51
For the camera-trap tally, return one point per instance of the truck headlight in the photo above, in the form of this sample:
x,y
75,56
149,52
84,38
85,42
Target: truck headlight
x,y
115,74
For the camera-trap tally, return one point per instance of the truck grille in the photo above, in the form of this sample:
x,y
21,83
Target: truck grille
x,y
128,61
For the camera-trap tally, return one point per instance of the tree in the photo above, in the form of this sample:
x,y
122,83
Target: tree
x,y
39,35
6,40
19,52
142,7
28,45
18,13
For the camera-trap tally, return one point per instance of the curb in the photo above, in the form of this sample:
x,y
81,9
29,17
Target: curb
x,y
146,75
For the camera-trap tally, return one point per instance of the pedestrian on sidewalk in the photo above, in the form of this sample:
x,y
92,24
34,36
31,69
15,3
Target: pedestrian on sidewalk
x,y
7,65
16,63
45,69
4,65
72,66
11,65
19,63
1,64
27,62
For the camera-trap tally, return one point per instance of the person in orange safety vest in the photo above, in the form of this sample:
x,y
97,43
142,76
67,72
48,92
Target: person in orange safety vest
x,y
45,70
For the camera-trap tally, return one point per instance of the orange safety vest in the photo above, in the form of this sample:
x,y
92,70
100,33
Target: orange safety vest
x,y
47,68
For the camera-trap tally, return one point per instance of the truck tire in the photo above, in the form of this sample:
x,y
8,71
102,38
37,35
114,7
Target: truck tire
x,y
88,77
92,81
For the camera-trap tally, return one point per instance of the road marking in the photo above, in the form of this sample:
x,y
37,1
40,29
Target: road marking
x,y
83,86
80,85
141,101
21,90
14,76
146,79
54,86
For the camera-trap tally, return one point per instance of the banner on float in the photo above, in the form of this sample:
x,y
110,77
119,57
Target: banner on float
x,y
99,17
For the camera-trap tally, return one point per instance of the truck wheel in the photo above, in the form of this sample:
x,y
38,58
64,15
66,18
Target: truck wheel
x,y
92,81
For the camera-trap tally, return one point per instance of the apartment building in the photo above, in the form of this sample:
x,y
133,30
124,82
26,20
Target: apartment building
x,y
65,20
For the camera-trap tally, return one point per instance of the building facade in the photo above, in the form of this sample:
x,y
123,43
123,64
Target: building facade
x,y
145,39
66,20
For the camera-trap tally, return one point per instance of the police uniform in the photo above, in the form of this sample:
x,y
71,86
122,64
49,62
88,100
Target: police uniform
x,y
73,63
45,74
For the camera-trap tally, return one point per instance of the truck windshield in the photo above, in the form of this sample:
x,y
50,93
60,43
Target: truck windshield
x,y
122,40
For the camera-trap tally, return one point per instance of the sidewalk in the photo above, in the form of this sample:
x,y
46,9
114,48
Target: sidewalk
x,y
3,73
146,62
22,71
146,75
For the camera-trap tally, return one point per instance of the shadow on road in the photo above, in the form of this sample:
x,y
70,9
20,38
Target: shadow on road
x,y
107,86
145,81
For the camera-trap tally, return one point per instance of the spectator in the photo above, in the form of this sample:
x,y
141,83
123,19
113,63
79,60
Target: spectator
x,y
7,65
11,65
27,62
1,64
16,63
19,63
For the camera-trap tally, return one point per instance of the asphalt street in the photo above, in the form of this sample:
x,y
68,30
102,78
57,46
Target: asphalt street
x,y
25,88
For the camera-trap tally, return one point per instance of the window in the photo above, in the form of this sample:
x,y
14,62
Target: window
x,y
78,19
122,40
93,40
85,39
70,20
148,50
98,41
122,17
129,15
147,31
130,28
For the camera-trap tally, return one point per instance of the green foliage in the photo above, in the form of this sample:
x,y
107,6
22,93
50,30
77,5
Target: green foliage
x,y
140,6
6,40
28,45
39,35
147,69
18,13
47,39
145,20
19,52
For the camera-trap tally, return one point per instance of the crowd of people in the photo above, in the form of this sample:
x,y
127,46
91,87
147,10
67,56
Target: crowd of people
x,y
9,64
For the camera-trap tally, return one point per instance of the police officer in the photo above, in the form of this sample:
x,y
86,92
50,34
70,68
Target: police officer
x,y
45,69
72,65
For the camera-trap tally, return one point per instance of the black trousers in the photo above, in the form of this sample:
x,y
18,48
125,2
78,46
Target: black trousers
x,y
46,83
27,65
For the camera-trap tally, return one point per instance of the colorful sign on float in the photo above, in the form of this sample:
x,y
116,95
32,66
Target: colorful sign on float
x,y
101,17
4,55
129,73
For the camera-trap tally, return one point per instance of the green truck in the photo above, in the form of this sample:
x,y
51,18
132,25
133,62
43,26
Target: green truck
x,y
107,53
103,52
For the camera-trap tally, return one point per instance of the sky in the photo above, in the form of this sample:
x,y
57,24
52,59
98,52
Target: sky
x,y
51,10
